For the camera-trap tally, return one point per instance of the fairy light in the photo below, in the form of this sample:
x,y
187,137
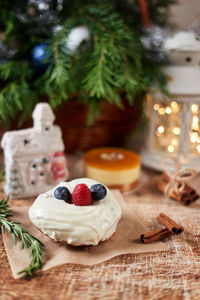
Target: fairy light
x,y
174,104
195,123
161,129
171,119
167,129
156,106
168,126
176,130
194,108
168,110
175,107
161,111
193,139
196,127
174,142
198,148
170,148
195,120
195,134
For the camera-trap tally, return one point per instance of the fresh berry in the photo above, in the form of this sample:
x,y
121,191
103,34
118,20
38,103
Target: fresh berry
x,y
62,193
81,195
98,191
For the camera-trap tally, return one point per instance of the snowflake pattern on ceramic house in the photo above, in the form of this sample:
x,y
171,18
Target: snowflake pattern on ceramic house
x,y
34,158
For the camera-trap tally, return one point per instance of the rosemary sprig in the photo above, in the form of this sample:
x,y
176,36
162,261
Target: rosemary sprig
x,y
18,232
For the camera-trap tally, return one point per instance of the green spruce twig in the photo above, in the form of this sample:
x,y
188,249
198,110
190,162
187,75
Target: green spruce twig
x,y
111,63
18,232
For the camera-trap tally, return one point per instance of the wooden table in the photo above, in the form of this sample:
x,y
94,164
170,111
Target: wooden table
x,y
170,275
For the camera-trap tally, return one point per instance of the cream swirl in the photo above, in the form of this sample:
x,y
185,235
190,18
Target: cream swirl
x,y
76,225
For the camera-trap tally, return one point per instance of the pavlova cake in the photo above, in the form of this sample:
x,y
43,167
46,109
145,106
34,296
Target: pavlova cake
x,y
79,212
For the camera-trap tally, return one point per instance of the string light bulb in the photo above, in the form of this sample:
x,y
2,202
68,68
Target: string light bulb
x,y
161,111
161,129
170,148
175,107
168,126
174,104
174,142
195,120
168,110
156,106
174,127
195,129
194,108
176,130
198,148
193,139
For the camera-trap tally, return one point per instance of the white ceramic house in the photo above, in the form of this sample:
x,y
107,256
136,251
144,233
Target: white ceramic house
x,y
34,158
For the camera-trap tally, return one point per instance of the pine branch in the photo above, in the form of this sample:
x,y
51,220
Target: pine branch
x,y
13,70
110,62
16,93
18,232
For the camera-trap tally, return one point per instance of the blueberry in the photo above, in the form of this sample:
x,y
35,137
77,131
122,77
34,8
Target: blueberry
x,y
62,193
98,191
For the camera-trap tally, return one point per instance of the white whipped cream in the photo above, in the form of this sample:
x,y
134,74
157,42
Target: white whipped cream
x,y
77,225
182,41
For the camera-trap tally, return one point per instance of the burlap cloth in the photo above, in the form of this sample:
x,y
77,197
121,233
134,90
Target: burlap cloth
x,y
126,240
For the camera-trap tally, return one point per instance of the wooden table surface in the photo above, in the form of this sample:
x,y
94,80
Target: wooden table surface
x,y
171,275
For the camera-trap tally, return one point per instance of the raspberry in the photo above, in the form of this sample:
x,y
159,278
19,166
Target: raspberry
x,y
81,195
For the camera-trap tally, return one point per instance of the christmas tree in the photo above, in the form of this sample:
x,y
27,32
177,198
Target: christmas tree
x,y
62,48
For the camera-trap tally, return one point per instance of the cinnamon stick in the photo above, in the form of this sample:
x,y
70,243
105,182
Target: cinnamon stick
x,y
155,235
169,224
161,185
187,196
165,177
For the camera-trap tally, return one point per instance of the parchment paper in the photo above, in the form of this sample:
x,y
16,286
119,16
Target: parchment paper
x,y
125,240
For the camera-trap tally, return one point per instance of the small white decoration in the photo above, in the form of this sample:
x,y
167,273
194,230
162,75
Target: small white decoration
x,y
76,36
183,40
34,158
183,49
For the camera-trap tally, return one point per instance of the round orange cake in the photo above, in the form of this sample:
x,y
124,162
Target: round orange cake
x,y
114,167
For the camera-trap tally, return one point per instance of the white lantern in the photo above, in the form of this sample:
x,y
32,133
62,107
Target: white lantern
x,y
173,129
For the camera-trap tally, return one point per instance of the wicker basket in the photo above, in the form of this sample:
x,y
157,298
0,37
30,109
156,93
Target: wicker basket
x,y
109,129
